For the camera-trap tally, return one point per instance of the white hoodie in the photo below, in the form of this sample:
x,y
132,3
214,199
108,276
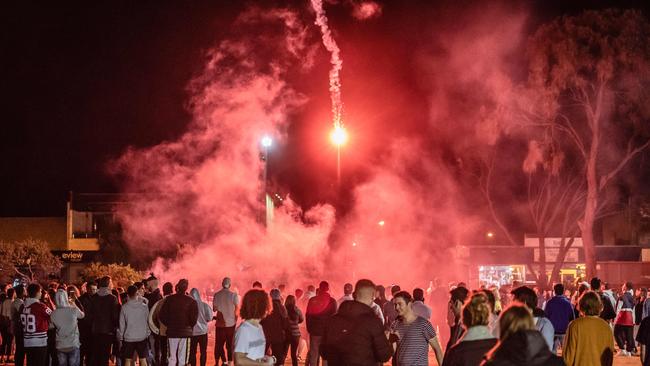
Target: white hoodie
x,y
205,314
134,321
65,319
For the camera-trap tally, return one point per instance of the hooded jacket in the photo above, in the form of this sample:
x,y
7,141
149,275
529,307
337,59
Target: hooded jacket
x,y
179,313
65,319
104,312
471,348
355,337
524,348
134,324
319,310
276,325
205,314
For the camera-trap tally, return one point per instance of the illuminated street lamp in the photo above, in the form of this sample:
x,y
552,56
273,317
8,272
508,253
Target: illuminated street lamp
x,y
338,136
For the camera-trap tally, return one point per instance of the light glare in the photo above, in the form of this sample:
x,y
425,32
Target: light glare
x,y
339,136
267,141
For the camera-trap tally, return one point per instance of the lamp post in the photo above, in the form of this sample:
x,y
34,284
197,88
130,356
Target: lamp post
x,y
266,142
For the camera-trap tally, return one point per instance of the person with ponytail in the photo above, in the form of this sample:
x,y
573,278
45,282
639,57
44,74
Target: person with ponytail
x,y
477,339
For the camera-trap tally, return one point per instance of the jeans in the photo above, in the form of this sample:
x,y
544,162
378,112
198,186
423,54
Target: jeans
x,y
279,350
224,336
314,350
19,356
199,342
558,341
624,335
293,343
70,358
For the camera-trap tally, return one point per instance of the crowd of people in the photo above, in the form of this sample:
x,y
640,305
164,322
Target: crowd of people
x,y
62,325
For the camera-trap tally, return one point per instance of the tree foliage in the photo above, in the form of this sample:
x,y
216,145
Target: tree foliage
x,y
589,79
28,259
122,275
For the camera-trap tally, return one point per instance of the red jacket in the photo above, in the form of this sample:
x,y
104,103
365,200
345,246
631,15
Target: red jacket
x,y
35,318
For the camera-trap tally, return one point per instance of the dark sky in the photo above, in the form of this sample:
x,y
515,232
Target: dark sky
x,y
81,81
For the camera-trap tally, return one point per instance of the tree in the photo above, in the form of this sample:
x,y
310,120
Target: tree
x,y
29,259
589,78
122,275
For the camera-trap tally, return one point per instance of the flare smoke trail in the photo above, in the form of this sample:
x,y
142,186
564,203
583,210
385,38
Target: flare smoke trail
x,y
337,63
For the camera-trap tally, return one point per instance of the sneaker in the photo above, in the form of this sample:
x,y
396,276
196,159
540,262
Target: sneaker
x,y
622,353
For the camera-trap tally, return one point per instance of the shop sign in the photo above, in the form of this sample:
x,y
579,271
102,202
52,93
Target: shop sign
x,y
75,256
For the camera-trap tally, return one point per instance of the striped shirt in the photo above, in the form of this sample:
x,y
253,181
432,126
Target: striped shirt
x,y
413,344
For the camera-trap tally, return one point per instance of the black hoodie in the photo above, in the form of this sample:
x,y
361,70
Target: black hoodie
x,y
354,336
524,348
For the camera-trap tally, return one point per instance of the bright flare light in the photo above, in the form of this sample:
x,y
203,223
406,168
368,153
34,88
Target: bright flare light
x,y
267,141
381,223
339,136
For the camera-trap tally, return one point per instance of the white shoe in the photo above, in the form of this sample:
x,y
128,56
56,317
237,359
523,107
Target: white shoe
x,y
622,353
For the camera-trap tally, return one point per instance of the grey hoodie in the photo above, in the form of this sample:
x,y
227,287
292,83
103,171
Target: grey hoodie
x,y
134,321
205,314
65,319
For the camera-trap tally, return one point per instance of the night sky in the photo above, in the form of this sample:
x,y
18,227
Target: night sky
x,y
82,81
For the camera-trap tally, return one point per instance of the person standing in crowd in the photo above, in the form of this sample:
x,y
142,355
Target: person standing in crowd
x,y
225,303
608,313
457,298
6,310
390,314
19,302
582,287
560,312
295,318
276,328
160,355
477,339
153,295
624,323
179,313
200,330
250,343
419,307
528,298
319,310
641,295
413,334
354,335
589,339
610,296
35,318
643,337
520,344
104,312
304,300
85,325
65,319
380,296
493,321
133,330
347,295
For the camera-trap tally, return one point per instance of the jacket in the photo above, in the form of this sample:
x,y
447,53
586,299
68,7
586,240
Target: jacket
x,y
104,312
319,310
560,312
205,314
295,318
608,313
179,313
276,325
65,319
134,326
153,297
471,348
355,337
525,348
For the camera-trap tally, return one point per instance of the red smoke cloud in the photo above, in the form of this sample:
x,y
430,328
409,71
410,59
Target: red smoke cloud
x,y
203,191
